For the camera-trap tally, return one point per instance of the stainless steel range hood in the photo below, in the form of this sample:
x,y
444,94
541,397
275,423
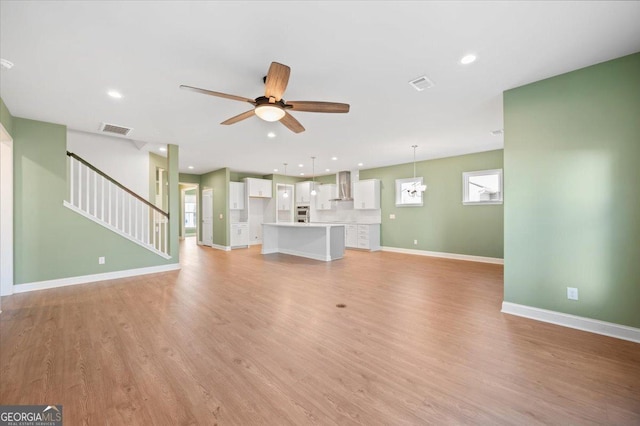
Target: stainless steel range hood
x,y
343,183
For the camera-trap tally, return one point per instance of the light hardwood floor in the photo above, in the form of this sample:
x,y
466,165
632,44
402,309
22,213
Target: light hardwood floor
x,y
237,338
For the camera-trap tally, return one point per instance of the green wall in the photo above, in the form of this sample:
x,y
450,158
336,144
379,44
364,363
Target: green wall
x,y
158,162
6,118
572,145
51,241
442,224
189,178
218,181
238,176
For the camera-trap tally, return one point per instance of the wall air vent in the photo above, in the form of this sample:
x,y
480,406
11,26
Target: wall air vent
x,y
421,83
498,132
115,129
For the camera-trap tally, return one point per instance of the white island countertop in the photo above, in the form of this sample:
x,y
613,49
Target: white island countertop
x,y
320,241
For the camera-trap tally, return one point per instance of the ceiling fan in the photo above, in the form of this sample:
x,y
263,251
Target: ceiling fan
x,y
271,106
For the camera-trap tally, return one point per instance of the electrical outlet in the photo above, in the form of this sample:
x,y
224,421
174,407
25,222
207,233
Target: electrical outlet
x,y
392,216
415,242
572,293
101,260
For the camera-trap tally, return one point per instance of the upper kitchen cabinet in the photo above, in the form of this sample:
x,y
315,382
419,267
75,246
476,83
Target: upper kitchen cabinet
x,y
303,193
366,194
326,193
236,196
259,187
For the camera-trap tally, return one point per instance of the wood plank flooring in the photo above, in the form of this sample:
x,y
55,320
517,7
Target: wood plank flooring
x,y
237,338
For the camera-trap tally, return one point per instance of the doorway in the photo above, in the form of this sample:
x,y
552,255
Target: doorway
x,y
207,217
189,221
6,212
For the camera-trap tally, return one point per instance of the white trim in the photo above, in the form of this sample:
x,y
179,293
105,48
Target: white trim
x,y
468,257
219,247
116,230
573,321
85,279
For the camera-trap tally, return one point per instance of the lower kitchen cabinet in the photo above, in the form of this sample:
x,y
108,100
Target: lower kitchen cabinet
x,y
239,235
362,236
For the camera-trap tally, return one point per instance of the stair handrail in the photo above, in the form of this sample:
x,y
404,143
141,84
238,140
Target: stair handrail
x,y
115,182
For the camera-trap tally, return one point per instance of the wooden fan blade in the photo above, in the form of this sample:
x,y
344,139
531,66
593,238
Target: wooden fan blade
x,y
277,79
218,94
291,123
240,117
311,106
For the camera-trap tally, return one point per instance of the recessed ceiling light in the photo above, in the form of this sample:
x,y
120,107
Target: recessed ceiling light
x,y
301,174
275,170
162,148
114,94
360,164
327,170
6,64
334,158
190,167
271,135
466,60
300,165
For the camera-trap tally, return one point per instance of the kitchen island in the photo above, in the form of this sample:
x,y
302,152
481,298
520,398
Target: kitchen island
x,y
319,241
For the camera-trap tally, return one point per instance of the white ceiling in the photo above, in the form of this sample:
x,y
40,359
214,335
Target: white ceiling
x,y
67,55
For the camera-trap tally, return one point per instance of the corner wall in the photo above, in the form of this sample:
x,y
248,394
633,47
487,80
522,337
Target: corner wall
x,y
218,181
572,204
443,223
50,241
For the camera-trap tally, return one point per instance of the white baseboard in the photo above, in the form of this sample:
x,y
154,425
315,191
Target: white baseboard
x,y
84,279
573,321
455,256
219,247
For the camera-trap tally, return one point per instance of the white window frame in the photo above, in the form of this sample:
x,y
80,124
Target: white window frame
x,y
465,187
400,183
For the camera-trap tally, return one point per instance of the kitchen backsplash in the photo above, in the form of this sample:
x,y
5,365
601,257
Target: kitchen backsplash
x,y
344,212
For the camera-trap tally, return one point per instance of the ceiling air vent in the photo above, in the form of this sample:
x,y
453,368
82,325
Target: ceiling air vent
x,y
115,130
421,83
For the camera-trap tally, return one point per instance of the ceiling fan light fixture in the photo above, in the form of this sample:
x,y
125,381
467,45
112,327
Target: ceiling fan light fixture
x,y
270,112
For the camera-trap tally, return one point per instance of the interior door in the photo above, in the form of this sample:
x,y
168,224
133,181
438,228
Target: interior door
x,y
207,217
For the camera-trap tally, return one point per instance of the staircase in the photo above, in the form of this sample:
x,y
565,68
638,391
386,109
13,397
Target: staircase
x,y
100,198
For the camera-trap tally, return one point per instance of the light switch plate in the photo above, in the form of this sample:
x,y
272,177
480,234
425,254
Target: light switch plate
x,y
572,293
392,216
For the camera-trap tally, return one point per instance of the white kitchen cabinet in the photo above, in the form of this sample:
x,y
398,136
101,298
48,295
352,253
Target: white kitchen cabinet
x,y
236,195
303,193
369,237
366,194
351,236
259,187
239,234
362,236
326,193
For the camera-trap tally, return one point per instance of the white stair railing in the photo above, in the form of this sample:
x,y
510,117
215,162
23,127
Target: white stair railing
x,y
102,199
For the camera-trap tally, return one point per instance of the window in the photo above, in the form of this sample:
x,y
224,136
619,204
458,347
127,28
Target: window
x,y
409,191
482,187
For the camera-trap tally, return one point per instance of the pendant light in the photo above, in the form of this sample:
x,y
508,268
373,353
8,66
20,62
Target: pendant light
x,y
286,188
417,187
313,176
